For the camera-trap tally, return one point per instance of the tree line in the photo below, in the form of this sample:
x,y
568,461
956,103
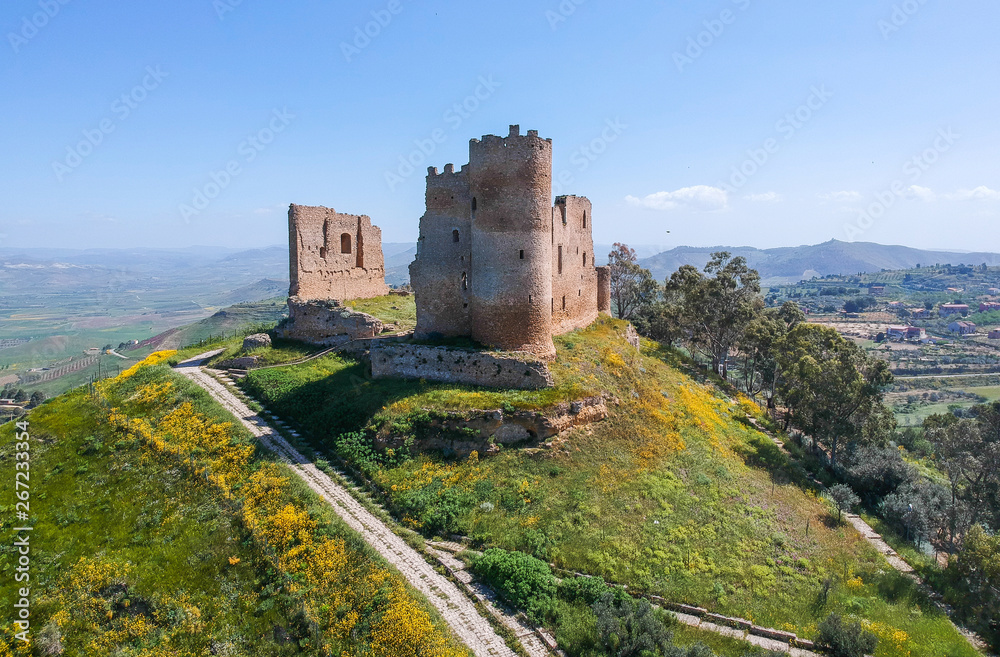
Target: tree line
x,y
832,391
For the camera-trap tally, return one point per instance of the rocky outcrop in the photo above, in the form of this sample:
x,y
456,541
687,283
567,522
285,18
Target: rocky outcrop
x,y
244,363
632,336
256,341
327,323
486,432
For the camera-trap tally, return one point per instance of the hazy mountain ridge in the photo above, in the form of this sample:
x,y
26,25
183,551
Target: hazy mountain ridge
x,y
792,264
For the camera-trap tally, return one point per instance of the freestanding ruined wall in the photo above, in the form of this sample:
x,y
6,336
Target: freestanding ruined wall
x,y
604,290
574,279
333,255
511,183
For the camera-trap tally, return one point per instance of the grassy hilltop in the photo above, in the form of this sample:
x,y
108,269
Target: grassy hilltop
x,y
674,494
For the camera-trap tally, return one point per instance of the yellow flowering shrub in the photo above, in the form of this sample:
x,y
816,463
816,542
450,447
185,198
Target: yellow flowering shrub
x,y
349,599
892,642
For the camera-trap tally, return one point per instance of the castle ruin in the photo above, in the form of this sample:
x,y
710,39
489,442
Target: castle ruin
x,y
495,261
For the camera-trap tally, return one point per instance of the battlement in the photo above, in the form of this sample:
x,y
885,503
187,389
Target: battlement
x,y
449,170
512,138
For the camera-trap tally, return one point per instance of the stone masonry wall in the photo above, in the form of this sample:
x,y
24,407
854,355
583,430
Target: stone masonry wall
x,y
443,266
407,361
334,255
327,323
574,279
604,290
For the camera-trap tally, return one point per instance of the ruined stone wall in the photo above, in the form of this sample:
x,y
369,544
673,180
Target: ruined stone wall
x,y
334,255
574,278
441,273
604,290
327,323
511,282
457,366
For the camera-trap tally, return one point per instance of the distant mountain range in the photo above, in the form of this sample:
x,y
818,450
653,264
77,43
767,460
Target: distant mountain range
x,y
792,264
223,276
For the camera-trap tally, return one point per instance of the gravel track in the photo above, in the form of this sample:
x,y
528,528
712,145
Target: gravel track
x,y
456,609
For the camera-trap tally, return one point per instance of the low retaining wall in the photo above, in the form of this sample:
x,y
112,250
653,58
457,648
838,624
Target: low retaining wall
x,y
450,365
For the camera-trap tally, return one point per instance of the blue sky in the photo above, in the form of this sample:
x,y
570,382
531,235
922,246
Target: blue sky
x,y
724,122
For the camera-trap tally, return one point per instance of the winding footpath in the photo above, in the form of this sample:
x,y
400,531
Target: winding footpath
x,y
457,610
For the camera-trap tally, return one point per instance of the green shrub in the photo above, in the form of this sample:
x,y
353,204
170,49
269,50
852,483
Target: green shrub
x,y
630,628
583,589
523,580
840,639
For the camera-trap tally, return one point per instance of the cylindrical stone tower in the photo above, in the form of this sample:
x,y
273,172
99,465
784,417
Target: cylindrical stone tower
x,y
510,285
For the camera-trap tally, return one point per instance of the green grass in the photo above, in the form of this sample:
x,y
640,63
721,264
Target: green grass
x,y
673,494
391,309
96,500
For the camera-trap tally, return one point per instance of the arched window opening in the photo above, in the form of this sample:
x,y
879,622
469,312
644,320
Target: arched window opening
x,y
522,254
474,204
584,259
465,281
584,218
345,243
560,258
564,303
454,236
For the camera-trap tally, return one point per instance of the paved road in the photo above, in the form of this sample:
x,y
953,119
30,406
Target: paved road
x,y
456,609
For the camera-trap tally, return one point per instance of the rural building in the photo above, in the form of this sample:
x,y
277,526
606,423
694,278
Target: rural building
x,y
962,328
995,334
988,306
953,309
905,333
919,313
495,260
876,290
896,332
994,291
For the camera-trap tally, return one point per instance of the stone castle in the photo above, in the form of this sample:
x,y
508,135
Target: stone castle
x,y
496,262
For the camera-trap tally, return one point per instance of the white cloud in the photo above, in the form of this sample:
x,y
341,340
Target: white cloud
x,y
767,197
846,196
979,193
701,198
922,193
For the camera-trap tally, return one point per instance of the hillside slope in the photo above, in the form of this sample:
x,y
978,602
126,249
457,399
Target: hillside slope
x,y
674,494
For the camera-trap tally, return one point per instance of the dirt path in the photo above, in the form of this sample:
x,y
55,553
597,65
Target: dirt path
x,y
456,609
